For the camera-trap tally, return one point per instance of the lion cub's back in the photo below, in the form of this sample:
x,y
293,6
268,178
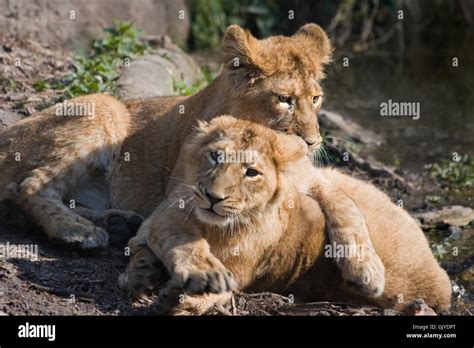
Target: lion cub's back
x,y
65,132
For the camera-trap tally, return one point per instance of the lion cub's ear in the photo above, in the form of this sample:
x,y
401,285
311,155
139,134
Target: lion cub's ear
x,y
312,36
287,149
240,52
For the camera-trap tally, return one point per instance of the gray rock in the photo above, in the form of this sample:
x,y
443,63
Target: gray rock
x,y
379,169
50,22
455,215
418,307
7,118
155,74
331,120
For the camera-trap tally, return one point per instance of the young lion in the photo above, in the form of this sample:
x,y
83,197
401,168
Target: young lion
x,y
121,158
250,227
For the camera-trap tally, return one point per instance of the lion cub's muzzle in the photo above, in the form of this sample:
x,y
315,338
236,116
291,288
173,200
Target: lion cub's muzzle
x,y
213,202
313,147
313,143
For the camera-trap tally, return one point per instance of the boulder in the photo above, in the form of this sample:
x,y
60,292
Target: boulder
x,y
73,23
156,74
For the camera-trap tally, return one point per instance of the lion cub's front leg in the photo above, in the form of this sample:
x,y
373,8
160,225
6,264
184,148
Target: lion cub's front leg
x,y
179,244
144,271
198,278
187,256
346,227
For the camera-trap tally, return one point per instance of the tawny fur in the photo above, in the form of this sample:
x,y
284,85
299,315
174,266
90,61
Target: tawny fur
x,y
44,157
270,235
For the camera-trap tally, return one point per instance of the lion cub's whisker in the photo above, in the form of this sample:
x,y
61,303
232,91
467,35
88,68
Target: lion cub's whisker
x,y
333,146
342,139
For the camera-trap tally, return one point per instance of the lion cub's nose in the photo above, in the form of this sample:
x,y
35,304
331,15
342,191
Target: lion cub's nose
x,y
313,143
213,198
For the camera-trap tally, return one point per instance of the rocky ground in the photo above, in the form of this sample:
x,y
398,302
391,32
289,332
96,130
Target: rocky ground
x,y
65,282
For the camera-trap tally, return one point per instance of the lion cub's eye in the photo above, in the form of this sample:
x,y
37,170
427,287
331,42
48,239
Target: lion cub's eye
x,y
252,172
316,99
284,99
214,156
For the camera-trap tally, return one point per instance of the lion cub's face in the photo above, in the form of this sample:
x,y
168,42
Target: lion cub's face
x,y
277,79
234,167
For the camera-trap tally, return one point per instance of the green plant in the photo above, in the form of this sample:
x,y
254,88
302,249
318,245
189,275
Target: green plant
x,y
99,70
433,199
7,84
360,24
181,88
40,85
211,17
454,173
208,23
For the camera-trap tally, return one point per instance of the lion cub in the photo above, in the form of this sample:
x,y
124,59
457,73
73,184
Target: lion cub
x,y
250,228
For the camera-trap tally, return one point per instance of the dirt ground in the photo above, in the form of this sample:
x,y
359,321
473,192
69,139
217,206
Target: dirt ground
x,y
63,281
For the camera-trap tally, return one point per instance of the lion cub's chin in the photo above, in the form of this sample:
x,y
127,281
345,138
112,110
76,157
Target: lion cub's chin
x,y
211,218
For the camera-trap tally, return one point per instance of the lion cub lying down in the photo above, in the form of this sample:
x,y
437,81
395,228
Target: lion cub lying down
x,y
250,228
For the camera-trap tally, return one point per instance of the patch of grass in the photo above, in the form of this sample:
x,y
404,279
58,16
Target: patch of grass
x,y
459,174
353,147
181,88
7,85
434,199
99,70
41,85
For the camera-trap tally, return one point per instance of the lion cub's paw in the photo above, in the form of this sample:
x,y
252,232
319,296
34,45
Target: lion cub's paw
x,y
143,274
366,274
172,301
84,235
209,276
139,283
122,228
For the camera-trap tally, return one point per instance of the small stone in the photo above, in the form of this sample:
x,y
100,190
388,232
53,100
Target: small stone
x,y
455,215
467,278
418,307
8,118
